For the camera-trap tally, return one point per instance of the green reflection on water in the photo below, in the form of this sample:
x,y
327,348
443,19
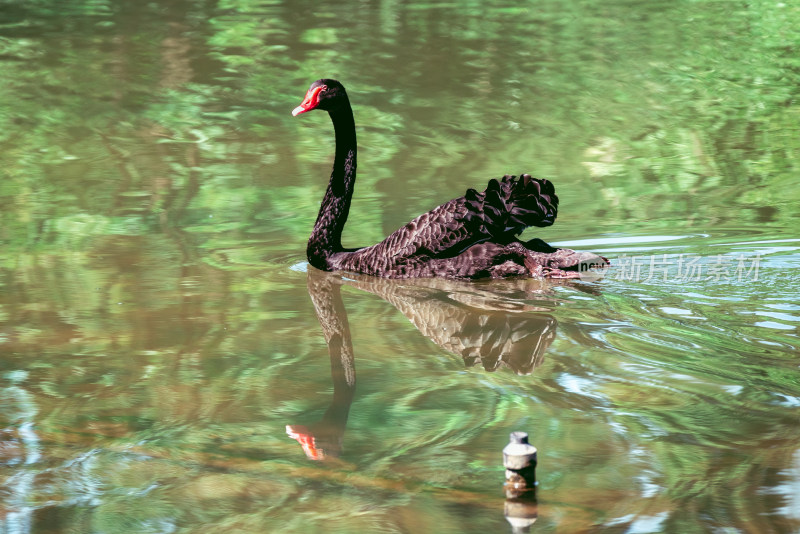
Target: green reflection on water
x,y
156,329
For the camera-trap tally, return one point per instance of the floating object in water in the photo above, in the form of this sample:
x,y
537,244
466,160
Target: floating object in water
x,y
519,459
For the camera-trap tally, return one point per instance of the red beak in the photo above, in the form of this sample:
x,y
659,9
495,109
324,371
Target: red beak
x,y
310,101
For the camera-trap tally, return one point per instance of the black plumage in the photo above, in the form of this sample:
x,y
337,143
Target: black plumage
x,y
473,236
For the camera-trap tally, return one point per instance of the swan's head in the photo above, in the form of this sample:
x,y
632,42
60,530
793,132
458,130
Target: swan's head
x,y
323,94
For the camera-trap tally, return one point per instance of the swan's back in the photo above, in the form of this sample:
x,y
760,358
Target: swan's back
x,y
495,216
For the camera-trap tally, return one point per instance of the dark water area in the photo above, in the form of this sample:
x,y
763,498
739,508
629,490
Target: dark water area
x,y
166,354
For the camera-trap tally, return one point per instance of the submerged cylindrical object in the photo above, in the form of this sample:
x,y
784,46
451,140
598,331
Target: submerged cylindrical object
x,y
519,459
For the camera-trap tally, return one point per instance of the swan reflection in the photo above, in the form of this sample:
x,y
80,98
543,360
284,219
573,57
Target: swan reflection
x,y
496,324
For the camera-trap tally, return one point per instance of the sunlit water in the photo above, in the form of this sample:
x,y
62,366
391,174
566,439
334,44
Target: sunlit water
x,y
167,354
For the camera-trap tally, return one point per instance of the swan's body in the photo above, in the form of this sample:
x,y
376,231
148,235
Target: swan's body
x,y
473,236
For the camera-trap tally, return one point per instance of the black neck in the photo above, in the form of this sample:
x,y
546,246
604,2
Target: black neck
x,y
326,238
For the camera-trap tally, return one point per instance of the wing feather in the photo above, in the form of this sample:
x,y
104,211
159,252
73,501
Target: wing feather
x,y
503,210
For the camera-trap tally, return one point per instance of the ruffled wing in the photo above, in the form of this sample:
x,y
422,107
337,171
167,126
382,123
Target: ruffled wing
x,y
503,210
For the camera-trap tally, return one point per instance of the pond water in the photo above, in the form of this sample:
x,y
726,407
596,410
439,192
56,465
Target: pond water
x,y
167,353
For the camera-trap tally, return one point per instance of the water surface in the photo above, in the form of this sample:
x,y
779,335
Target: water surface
x,y
160,329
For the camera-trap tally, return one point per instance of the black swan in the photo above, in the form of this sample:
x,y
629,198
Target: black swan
x,y
473,236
